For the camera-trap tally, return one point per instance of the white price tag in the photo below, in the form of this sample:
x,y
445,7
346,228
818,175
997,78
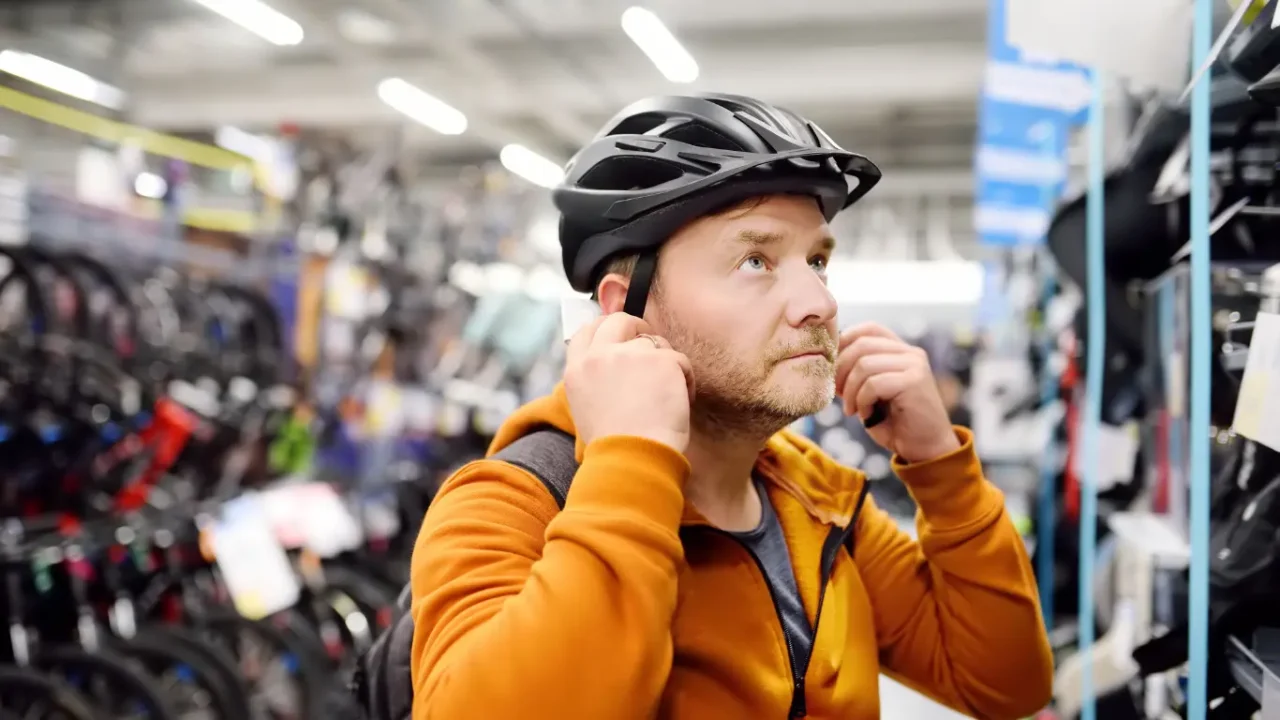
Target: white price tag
x,y
311,515
1117,452
1258,404
330,527
253,564
285,516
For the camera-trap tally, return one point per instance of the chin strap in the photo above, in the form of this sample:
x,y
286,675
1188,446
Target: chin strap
x,y
641,283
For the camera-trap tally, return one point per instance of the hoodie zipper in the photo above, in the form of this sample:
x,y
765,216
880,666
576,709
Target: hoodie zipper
x,y
836,537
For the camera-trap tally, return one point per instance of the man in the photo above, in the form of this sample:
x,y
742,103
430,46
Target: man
x,y
707,563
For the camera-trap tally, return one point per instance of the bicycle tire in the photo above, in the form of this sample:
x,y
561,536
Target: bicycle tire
x,y
220,660
79,667
375,600
192,682
62,701
310,674
293,623
368,589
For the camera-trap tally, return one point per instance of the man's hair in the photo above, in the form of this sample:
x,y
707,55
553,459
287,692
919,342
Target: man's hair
x,y
625,265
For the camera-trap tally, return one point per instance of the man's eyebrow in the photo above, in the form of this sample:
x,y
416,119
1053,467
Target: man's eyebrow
x,y
757,238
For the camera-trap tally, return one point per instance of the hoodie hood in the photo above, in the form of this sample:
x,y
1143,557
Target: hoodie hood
x,y
790,462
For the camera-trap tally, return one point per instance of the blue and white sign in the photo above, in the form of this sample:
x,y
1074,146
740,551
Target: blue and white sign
x,y
1027,109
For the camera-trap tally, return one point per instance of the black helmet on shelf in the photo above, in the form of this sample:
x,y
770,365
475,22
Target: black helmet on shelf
x,y
665,161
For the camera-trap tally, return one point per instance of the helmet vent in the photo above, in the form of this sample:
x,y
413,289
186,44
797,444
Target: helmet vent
x,y
629,173
639,124
703,136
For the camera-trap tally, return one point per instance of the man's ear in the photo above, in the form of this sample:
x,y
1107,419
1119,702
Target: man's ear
x,y
612,292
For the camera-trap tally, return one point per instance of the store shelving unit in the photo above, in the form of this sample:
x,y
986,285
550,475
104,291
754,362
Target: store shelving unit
x,y
1256,667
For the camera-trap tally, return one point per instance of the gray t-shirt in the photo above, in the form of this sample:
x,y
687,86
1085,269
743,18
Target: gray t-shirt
x,y
767,543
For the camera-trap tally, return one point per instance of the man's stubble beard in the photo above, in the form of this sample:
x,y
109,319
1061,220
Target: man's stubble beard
x,y
736,397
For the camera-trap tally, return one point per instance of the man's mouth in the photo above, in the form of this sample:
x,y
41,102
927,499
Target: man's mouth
x,y
813,353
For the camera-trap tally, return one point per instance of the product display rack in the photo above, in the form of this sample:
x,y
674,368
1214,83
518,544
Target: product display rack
x,y
1257,670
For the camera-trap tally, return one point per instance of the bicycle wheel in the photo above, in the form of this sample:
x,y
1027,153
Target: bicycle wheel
x,y
220,660
285,681
108,683
369,590
193,685
28,695
372,600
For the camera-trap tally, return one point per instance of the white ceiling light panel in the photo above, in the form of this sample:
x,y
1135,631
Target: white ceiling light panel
x,y
258,18
662,48
422,106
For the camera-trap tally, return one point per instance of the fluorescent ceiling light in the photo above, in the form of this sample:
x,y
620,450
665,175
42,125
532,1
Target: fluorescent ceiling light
x,y
423,107
258,18
520,160
60,78
656,41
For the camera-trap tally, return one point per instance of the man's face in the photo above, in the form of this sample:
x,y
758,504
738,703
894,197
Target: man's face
x,y
744,295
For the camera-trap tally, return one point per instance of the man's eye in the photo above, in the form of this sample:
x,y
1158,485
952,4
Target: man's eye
x,y
755,262
819,264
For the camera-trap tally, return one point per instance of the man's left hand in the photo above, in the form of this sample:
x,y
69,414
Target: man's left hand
x,y
875,365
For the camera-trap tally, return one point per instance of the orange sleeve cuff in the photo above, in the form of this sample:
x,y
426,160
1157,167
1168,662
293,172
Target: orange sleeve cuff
x,y
632,472
950,490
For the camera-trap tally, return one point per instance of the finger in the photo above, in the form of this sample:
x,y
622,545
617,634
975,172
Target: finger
x,y
657,342
864,347
868,367
581,340
686,367
618,328
883,387
867,329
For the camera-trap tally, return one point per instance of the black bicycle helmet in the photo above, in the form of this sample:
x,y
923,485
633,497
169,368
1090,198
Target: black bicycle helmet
x,y
667,160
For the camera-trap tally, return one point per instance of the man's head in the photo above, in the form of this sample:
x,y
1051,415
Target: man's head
x,y
743,294
740,291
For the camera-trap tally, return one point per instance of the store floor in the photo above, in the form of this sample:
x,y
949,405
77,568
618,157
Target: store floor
x,y
902,703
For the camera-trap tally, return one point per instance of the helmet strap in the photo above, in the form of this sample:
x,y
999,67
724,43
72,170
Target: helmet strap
x,y
641,283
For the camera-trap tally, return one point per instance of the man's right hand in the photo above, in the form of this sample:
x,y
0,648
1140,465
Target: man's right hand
x,y
623,380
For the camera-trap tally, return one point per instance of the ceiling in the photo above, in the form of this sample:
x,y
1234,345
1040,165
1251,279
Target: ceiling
x,y
893,79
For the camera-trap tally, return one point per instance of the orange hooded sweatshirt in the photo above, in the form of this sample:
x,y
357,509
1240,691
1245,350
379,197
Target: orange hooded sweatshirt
x,y
628,604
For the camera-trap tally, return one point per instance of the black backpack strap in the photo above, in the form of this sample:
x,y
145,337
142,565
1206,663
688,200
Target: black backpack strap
x,y
381,683
549,454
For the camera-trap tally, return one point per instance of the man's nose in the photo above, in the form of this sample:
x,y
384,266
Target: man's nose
x,y
809,301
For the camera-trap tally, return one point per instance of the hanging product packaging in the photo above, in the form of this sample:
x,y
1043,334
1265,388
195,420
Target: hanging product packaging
x,y
253,563
310,515
1258,404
